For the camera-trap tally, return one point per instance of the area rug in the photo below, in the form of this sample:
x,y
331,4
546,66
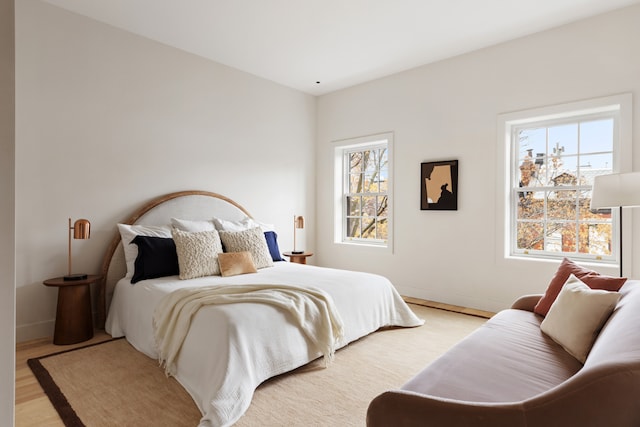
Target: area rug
x,y
112,384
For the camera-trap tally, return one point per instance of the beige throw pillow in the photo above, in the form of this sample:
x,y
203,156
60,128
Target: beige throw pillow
x,y
577,315
234,263
197,253
251,240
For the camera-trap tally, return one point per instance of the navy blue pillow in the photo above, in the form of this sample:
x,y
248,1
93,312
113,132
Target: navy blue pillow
x,y
272,243
157,257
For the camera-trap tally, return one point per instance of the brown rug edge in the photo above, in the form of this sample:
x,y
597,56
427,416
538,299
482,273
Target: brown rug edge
x,y
51,389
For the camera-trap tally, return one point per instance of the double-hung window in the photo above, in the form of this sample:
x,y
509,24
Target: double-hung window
x,y
553,156
363,185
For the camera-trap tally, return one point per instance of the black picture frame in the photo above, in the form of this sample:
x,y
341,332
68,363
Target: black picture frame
x,y
439,185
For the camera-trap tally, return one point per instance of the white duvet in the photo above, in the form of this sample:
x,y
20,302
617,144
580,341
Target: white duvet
x,y
231,349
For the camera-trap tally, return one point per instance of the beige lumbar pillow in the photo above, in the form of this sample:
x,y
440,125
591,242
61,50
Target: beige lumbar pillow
x,y
234,263
577,315
197,253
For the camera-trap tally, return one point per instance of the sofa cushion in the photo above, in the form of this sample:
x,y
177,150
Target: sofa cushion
x,y
591,278
617,342
530,363
577,315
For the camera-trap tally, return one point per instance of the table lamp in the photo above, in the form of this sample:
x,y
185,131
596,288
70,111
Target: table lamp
x,y
298,223
81,230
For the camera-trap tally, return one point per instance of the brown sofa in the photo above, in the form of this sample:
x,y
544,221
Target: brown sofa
x,y
508,373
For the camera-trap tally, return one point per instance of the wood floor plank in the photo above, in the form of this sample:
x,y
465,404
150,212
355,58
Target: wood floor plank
x,y
37,412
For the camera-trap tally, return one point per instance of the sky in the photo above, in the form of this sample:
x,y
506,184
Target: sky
x,y
594,139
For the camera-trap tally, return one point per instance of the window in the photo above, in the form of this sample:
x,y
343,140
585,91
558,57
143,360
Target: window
x,y
553,156
363,210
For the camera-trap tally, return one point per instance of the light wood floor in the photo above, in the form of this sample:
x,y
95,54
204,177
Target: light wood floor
x,y
33,407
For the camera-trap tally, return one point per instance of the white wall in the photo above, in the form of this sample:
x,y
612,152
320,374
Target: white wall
x,y
7,222
448,110
106,120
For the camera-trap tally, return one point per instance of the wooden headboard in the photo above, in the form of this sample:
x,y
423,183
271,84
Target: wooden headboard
x,y
192,205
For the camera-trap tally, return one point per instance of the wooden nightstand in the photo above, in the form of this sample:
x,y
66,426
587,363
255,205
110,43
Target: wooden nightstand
x,y
298,258
74,321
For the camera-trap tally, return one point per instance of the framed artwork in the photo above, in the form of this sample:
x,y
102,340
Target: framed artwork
x,y
439,186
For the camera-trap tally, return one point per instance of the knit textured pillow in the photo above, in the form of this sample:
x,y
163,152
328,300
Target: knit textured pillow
x,y
252,241
197,253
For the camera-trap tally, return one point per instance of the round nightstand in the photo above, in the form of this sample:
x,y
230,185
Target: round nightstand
x,y
298,258
74,321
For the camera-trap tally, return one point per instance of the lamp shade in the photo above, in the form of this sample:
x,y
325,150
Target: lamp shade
x,y
81,229
615,190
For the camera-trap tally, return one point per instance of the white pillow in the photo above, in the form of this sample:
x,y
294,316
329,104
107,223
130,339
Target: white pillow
x,y
192,225
242,225
577,315
197,253
252,241
129,232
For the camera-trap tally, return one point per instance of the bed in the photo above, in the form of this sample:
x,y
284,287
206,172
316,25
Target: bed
x,y
230,349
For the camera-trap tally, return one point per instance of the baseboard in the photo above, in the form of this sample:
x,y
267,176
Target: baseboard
x,y
449,307
34,331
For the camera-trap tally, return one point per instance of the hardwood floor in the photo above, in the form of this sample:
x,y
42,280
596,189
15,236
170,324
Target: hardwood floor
x,y
33,407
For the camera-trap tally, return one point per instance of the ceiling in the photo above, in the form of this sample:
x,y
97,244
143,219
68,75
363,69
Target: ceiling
x,y
324,45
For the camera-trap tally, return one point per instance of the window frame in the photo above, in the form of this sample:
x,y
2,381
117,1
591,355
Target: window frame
x,y
618,107
341,188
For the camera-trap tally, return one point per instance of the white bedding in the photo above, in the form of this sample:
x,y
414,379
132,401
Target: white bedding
x,y
231,349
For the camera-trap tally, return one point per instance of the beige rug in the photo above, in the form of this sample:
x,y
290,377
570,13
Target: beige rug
x,y
111,384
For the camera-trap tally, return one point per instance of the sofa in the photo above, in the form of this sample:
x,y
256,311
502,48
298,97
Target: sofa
x,y
510,373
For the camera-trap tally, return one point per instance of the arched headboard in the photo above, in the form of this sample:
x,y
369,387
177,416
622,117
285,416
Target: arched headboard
x,y
192,205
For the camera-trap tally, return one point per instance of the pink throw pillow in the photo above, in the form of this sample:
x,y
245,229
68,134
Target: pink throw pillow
x,y
591,278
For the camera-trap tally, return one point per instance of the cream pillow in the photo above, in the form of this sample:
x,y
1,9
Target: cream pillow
x,y
251,240
577,315
197,253
129,232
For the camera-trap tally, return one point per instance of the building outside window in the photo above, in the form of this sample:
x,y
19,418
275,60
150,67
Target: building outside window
x,y
557,162
554,157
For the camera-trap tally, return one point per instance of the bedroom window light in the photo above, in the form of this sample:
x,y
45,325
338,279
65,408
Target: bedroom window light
x,y
363,190
551,158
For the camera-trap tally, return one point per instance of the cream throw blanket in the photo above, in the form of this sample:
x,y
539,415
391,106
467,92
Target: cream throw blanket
x,y
313,310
